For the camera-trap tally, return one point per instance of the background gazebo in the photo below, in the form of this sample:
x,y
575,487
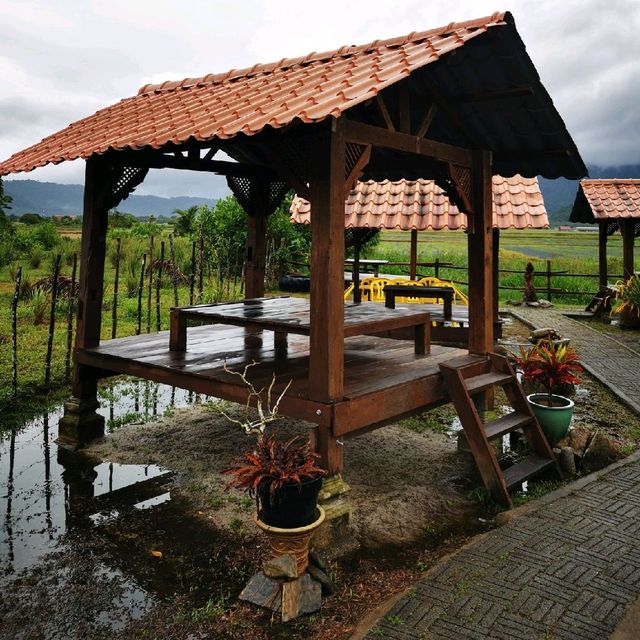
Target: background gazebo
x,y
613,205
422,205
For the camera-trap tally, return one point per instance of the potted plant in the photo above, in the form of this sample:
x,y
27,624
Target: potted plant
x,y
285,479
553,367
627,302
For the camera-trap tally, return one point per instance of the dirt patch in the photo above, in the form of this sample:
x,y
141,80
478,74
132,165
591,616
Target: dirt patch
x,y
403,483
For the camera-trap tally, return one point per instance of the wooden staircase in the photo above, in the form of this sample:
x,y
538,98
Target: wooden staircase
x,y
468,377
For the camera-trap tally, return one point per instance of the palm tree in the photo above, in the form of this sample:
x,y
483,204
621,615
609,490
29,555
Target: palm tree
x,y
185,222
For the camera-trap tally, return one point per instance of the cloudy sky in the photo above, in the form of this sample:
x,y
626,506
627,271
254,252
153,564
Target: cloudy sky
x,y
64,59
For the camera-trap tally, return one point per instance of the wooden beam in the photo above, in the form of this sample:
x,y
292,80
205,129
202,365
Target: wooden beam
x,y
426,121
496,275
92,254
326,358
357,170
384,112
378,137
414,254
404,107
445,106
498,94
479,238
155,160
603,237
628,239
287,172
255,249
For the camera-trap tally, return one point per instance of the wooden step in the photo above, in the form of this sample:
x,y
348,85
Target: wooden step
x,y
525,469
506,424
485,381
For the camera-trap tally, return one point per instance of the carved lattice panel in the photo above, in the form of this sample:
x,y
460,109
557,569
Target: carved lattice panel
x,y
612,227
123,181
256,195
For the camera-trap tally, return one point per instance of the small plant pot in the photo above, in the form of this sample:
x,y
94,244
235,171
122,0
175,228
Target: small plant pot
x,y
294,542
292,506
554,420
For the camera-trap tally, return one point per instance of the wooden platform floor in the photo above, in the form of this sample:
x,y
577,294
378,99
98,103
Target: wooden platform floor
x,y
383,377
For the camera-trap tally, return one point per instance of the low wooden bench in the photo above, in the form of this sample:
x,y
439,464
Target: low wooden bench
x,y
393,291
293,315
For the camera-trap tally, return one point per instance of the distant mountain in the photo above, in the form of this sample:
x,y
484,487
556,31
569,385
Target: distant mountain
x,y
49,198
560,194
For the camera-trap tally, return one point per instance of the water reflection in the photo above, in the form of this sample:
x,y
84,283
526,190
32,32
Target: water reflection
x,y
46,490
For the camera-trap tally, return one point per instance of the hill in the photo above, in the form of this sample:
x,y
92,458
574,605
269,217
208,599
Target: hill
x,y
50,198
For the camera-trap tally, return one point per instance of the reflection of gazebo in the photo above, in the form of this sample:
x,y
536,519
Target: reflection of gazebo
x,y
421,205
614,205
455,105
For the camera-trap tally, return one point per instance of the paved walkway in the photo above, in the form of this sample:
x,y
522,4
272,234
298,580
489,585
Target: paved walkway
x,y
568,568
612,358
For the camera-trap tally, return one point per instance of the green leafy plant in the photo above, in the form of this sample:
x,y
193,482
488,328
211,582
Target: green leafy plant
x,y
550,365
628,297
274,464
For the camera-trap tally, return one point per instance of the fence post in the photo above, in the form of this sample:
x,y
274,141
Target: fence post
x,y
114,315
14,327
437,268
174,267
201,274
140,291
52,320
193,272
159,285
150,290
549,280
70,310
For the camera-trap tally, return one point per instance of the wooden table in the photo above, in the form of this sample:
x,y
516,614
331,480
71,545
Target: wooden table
x,y
292,315
393,291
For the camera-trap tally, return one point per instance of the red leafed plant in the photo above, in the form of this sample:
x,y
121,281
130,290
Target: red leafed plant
x,y
550,365
275,463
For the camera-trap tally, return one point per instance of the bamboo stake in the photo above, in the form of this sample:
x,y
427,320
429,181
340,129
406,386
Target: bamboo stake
x,y
175,275
193,272
14,326
114,316
140,290
201,274
150,291
70,313
52,320
159,285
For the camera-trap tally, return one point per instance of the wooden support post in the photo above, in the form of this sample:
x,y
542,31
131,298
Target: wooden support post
x,y
326,343
413,260
627,228
355,276
603,237
480,249
255,249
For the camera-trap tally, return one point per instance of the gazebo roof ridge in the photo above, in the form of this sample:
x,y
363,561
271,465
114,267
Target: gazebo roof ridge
x,y
345,51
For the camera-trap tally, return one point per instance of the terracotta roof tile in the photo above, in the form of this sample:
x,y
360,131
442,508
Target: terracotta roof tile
x,y
422,205
607,199
314,87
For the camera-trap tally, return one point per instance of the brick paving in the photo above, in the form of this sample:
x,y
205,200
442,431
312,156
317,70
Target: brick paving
x,y
566,569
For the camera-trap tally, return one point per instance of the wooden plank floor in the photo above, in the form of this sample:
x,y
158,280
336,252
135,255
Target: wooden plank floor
x,y
372,364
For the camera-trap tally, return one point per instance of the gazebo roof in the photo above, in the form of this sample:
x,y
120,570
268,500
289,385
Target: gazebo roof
x,y
606,200
422,205
488,96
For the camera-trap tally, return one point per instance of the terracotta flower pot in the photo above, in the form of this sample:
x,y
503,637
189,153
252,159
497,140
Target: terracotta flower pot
x,y
292,541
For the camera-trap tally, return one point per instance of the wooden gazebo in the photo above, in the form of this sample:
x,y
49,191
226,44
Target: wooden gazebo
x,y
615,206
456,105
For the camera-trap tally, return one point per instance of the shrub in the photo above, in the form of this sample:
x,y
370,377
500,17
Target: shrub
x,y
36,254
39,307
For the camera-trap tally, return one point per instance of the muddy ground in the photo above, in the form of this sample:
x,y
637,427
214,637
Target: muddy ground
x,y
174,569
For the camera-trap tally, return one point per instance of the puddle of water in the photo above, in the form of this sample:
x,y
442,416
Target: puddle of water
x,y
45,491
